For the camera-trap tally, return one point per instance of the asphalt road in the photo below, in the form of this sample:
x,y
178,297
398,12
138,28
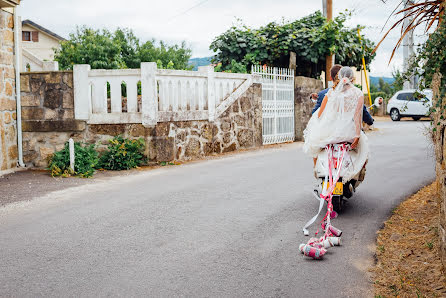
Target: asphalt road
x,y
228,227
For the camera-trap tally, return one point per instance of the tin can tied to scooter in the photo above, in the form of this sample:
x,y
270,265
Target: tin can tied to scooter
x,y
316,248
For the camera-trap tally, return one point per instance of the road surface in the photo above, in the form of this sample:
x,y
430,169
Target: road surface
x,y
228,227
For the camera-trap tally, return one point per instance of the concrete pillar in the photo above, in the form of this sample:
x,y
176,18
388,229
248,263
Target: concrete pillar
x,y
82,104
209,71
149,104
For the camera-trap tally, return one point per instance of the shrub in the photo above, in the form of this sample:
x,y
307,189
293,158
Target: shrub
x,y
85,157
374,95
122,154
234,67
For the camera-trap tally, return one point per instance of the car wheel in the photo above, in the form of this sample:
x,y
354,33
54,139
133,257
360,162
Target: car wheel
x,y
416,118
395,115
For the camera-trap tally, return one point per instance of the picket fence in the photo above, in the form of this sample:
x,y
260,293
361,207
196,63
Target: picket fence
x,y
154,95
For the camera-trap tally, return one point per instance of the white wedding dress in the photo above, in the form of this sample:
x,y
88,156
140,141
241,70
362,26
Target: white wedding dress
x,y
340,121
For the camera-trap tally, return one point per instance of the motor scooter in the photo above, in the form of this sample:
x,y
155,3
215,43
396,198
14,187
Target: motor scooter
x,y
349,165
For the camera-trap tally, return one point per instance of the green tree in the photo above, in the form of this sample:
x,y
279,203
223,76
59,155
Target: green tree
x,y
397,85
174,57
373,88
129,46
89,46
103,49
311,38
385,87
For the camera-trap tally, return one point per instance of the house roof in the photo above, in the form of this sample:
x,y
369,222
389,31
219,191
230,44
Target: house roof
x,y
9,3
38,27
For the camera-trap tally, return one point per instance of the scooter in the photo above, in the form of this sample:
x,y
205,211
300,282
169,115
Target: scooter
x,y
350,165
350,177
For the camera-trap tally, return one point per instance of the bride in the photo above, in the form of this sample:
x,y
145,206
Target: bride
x,y
339,118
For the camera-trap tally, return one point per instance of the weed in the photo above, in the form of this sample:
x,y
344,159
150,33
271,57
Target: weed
x,y
123,154
86,159
394,289
435,229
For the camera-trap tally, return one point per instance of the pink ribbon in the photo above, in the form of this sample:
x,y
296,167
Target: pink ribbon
x,y
329,230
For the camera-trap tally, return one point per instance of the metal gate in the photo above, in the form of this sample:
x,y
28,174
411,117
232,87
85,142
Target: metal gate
x,y
277,103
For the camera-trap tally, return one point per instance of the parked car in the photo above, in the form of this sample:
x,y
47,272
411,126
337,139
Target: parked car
x,y
410,103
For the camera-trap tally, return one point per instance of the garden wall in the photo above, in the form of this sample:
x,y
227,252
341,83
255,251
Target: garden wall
x,y
8,135
48,122
303,105
440,154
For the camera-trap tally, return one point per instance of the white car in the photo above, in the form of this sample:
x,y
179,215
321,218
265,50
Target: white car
x,y
405,104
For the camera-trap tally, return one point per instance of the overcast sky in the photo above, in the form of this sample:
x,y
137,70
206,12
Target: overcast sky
x,y
198,22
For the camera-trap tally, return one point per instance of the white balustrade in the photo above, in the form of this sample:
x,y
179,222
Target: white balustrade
x,y
166,95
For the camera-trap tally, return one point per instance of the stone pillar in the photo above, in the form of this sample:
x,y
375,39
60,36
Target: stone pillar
x,y
8,115
149,104
303,105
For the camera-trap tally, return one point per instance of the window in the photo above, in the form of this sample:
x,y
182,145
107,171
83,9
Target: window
x,y
26,35
35,36
405,96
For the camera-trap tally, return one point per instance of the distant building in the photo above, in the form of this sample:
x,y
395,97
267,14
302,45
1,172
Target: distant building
x,y
38,45
360,78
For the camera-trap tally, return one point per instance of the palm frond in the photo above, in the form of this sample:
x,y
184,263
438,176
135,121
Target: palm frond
x,y
418,12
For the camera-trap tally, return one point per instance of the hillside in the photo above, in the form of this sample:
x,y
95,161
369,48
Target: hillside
x,y
196,62
375,80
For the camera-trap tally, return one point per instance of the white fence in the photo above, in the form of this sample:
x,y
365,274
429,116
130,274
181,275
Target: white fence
x,y
154,95
277,103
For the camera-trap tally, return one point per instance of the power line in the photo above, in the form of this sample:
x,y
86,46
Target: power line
x,y
189,9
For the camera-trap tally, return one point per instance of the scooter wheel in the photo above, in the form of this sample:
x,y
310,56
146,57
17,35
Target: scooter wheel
x,y
348,189
338,203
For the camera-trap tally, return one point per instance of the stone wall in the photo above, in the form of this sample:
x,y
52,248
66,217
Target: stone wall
x,y
439,139
8,135
48,122
303,105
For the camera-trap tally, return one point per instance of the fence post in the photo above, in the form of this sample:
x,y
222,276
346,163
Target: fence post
x,y
149,104
209,70
275,73
81,87
72,159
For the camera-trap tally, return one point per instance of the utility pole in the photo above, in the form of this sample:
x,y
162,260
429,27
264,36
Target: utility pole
x,y
329,60
408,44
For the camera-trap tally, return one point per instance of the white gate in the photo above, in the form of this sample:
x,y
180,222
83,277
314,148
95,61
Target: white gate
x,y
277,103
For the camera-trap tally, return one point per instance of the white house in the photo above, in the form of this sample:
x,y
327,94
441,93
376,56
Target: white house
x,y
38,45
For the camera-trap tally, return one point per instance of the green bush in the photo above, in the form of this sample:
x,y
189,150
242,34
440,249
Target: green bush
x,y
122,154
234,67
374,95
85,156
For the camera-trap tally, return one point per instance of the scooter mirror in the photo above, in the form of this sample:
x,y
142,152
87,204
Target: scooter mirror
x,y
378,101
